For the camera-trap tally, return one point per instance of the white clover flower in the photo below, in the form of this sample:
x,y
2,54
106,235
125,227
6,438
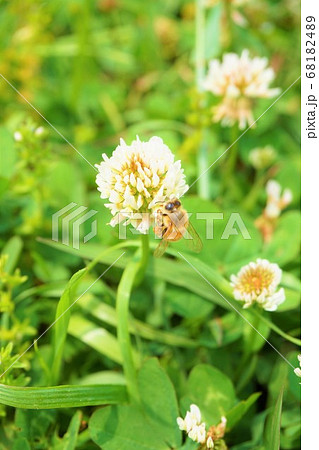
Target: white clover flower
x,y
257,282
192,425
297,369
137,177
210,442
17,136
239,79
275,201
198,433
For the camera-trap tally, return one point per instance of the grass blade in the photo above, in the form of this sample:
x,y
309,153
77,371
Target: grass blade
x,y
272,426
61,396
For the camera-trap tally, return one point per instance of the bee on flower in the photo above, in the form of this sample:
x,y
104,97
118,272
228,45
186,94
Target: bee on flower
x,y
239,80
277,201
138,177
257,282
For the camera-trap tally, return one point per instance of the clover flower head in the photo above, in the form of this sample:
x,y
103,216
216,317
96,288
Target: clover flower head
x,y
297,369
257,282
238,79
275,201
136,178
193,425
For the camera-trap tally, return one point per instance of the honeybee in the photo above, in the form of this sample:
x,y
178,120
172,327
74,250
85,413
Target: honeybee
x,y
172,224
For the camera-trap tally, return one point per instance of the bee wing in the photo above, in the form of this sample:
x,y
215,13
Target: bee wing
x,y
161,248
193,240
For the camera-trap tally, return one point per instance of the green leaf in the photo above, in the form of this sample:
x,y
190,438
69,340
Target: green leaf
x,y
194,307
125,428
13,249
34,424
213,33
96,337
61,396
275,328
272,425
107,314
62,318
211,390
103,377
7,153
68,442
284,246
235,414
292,287
21,444
159,401
254,340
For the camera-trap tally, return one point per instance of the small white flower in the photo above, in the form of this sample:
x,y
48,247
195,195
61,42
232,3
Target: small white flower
x,y
273,190
17,136
286,197
137,177
223,421
192,425
238,79
272,210
198,433
275,202
297,369
257,282
39,131
210,442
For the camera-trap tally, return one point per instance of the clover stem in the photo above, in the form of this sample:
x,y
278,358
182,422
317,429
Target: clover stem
x,y
133,274
202,154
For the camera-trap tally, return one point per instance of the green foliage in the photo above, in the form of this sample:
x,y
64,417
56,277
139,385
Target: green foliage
x,y
211,390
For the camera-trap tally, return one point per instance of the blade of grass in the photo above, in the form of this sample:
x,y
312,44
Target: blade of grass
x,y
96,337
276,329
107,314
13,249
63,316
61,396
175,272
69,440
272,425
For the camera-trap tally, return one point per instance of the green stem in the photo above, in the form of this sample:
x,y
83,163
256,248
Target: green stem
x,y
132,275
277,330
249,350
230,164
251,199
202,156
200,44
145,249
228,24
